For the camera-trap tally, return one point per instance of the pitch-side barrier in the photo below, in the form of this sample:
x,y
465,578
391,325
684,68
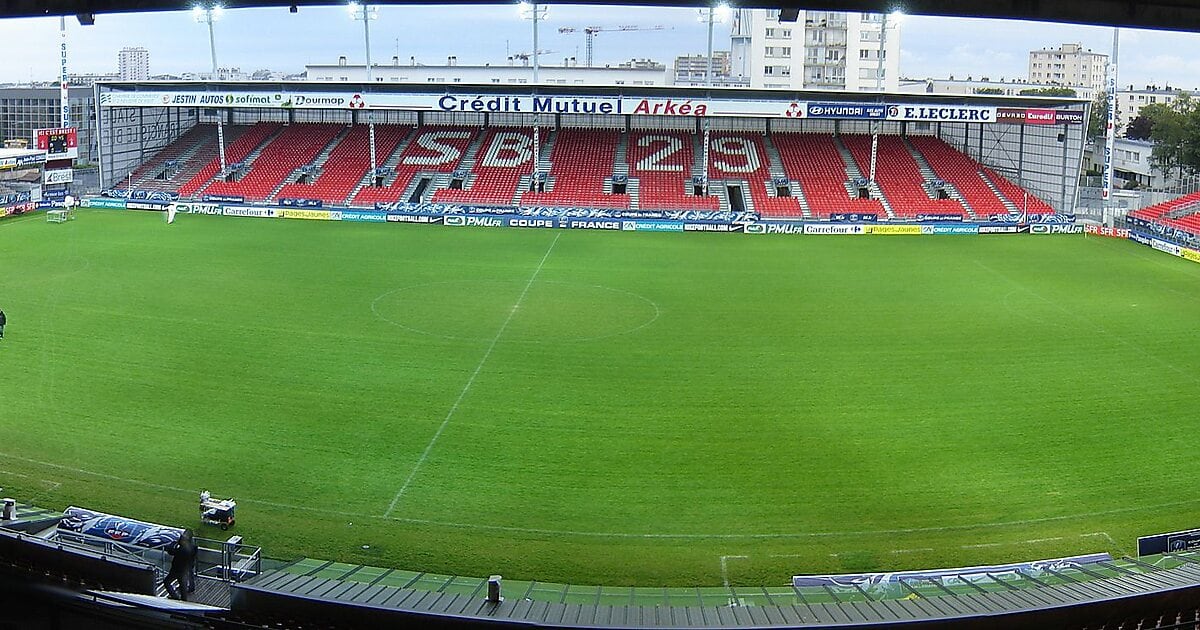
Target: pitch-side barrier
x,y
606,219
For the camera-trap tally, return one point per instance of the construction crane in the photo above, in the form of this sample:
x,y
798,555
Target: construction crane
x,y
589,34
524,57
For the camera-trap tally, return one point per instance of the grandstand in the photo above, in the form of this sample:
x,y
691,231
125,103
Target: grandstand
x,y
1182,213
782,168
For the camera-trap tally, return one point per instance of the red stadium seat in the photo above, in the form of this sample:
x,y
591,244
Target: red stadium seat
x,y
504,156
429,150
743,157
899,177
814,161
662,161
580,163
235,151
298,145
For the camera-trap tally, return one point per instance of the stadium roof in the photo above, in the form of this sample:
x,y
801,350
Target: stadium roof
x,y
1161,14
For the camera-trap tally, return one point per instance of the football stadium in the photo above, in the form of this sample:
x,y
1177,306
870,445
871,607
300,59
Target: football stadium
x,y
596,357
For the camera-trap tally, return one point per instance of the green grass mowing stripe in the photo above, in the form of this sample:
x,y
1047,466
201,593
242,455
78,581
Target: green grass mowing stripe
x,y
470,381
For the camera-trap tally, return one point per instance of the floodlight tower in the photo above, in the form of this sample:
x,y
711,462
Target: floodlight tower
x,y
207,14
535,12
714,14
366,14
877,126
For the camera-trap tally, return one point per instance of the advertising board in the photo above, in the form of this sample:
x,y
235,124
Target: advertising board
x,y
59,176
225,198
197,208
955,229
892,230
652,226
364,217
1102,230
251,211
834,228
400,217
590,224
1055,228
310,215
103,202
147,205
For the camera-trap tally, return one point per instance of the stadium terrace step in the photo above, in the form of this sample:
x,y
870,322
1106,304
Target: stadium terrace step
x,y
180,150
420,155
326,185
820,171
243,150
579,176
816,163
290,147
1005,201
507,154
1025,202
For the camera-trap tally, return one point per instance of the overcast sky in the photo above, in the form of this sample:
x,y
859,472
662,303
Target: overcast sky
x,y
272,38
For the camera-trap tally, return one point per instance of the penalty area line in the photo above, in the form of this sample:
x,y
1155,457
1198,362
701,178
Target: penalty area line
x,y
471,381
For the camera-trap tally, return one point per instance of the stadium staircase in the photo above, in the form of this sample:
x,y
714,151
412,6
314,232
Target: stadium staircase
x,y
1022,199
778,172
385,134
749,152
544,165
814,161
621,167
1004,200
580,167
297,144
248,146
413,163
968,176
492,183
350,164
950,171
854,172
465,164
665,182
180,150
188,164
899,178
314,169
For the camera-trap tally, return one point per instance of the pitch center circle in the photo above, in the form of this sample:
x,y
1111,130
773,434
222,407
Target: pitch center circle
x,y
545,310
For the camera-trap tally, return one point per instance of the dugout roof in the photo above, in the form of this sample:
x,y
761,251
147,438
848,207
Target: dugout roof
x,y
1160,14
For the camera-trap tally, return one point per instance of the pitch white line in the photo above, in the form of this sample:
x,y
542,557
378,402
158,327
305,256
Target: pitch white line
x,y
919,550
471,381
725,567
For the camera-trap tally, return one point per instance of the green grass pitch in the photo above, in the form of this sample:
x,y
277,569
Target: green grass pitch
x,y
603,408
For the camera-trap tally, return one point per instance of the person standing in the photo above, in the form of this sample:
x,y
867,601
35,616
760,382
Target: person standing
x,y
3,321
183,561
